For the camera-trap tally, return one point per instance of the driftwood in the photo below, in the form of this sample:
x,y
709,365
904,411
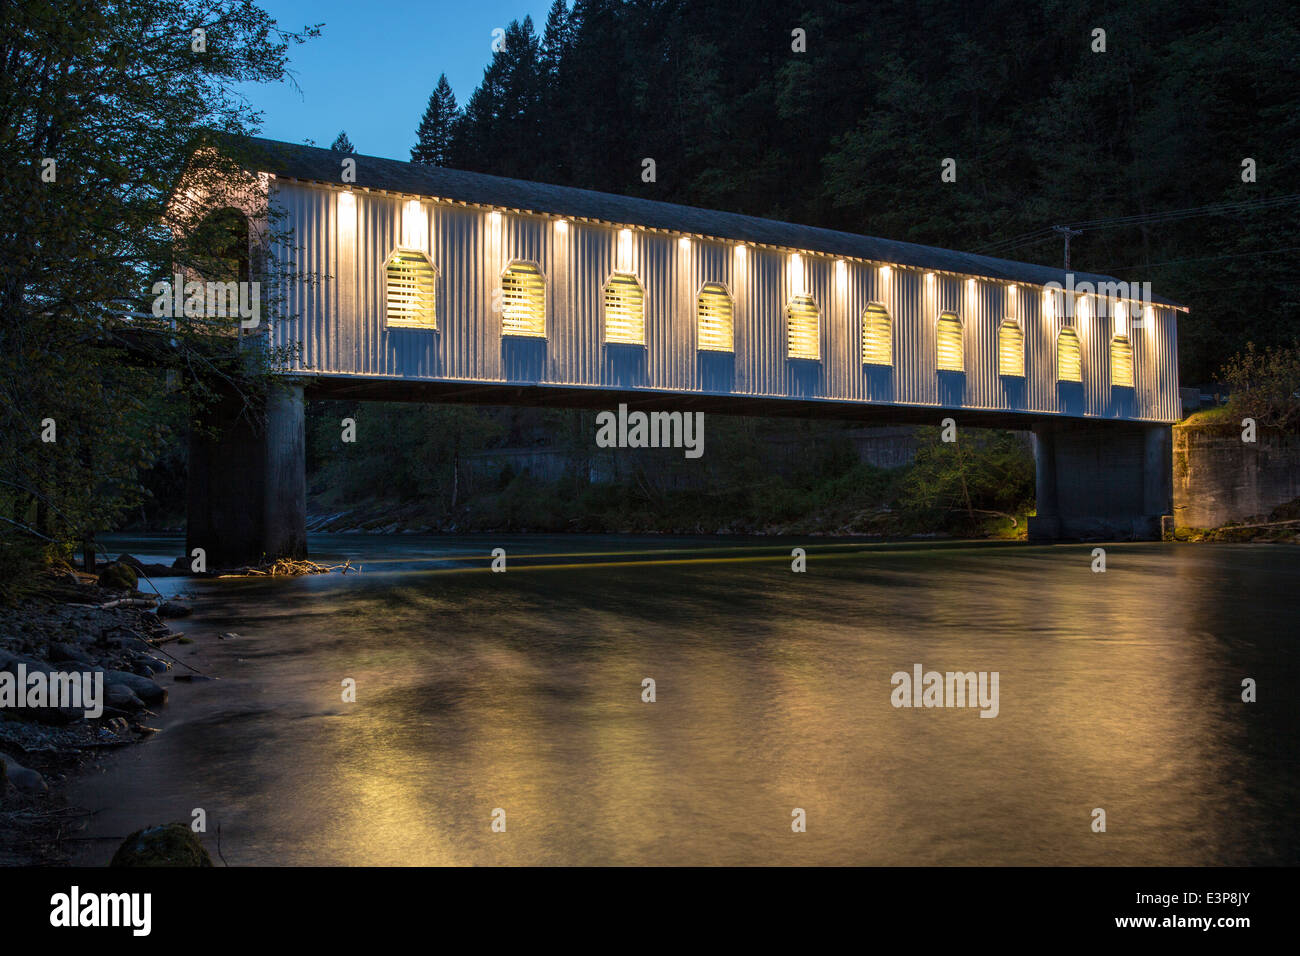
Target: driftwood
x,y
154,647
286,567
986,511
120,602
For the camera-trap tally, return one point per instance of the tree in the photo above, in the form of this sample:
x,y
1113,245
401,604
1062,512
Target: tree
x,y
433,135
106,108
342,144
1266,385
500,129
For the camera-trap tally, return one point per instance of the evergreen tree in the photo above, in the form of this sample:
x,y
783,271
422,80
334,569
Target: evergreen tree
x,y
499,131
342,144
434,134
557,40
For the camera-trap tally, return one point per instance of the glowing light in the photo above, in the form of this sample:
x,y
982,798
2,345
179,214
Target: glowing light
x,y
841,274
347,217
685,243
1121,318
495,218
885,273
415,227
740,253
1049,304
796,275
561,226
625,249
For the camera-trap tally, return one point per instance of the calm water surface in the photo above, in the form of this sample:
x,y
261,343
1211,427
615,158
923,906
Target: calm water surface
x,y
522,691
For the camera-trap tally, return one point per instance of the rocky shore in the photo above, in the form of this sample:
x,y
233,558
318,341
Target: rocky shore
x,y
102,630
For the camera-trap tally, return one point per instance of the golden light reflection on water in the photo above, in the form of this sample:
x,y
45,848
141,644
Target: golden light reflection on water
x,y
523,692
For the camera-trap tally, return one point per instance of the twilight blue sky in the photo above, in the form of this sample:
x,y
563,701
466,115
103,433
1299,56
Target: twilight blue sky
x,y
374,65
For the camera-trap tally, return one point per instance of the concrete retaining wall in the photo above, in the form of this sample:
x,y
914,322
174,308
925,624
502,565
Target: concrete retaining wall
x,y
1220,479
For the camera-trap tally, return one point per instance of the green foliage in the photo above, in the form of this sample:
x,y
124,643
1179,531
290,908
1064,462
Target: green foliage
x,y
980,474
422,445
757,475
1266,385
117,97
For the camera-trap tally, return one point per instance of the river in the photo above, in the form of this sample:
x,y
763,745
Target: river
x,y
518,695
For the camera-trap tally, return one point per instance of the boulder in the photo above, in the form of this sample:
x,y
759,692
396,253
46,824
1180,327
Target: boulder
x,y
144,687
118,577
121,697
174,609
172,844
28,781
59,651
148,666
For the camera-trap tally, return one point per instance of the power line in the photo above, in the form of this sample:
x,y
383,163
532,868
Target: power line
x,y
1038,235
1175,262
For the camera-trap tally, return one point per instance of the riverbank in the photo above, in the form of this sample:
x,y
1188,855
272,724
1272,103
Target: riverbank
x,y
117,646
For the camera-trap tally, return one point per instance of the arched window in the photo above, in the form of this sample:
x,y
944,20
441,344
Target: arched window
x,y
877,336
1011,349
523,300
411,290
1069,362
948,346
803,328
624,310
1121,361
713,314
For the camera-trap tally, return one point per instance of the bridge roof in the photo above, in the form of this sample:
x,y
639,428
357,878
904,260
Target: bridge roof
x,y
314,164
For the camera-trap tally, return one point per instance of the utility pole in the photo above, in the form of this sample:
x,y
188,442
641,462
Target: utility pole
x,y
1067,232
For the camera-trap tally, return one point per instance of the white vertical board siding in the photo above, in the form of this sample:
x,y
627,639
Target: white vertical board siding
x,y
336,315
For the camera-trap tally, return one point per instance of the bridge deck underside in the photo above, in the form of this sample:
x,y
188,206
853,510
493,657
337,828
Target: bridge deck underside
x,y
387,390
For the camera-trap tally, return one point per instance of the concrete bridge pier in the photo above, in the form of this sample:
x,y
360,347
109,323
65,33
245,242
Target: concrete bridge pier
x,y
1099,480
247,480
